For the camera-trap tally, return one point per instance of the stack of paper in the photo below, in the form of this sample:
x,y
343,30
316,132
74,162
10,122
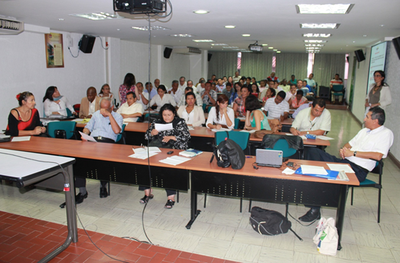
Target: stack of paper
x,y
190,153
222,129
312,169
141,153
21,138
325,138
174,160
249,131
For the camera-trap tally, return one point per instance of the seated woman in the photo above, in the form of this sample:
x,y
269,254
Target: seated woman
x,y
55,104
298,100
24,120
131,110
177,138
162,98
291,93
191,113
105,91
255,117
221,116
254,89
270,93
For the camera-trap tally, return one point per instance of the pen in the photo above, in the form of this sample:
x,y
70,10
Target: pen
x,y
247,156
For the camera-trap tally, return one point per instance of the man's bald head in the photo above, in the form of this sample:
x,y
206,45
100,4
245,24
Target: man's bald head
x,y
105,103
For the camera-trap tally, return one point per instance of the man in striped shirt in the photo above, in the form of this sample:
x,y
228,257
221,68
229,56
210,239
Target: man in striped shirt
x,y
277,108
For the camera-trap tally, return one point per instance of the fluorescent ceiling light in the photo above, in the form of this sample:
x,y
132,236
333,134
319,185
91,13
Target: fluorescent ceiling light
x,y
230,26
201,12
275,49
315,41
145,28
230,47
203,40
313,45
96,16
324,8
316,35
245,35
320,26
181,35
264,45
219,44
278,52
270,47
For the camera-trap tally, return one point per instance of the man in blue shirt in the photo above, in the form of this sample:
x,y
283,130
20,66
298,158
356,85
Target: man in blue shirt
x,y
104,126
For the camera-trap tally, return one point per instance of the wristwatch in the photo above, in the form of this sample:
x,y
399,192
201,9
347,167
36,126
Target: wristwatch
x,y
355,152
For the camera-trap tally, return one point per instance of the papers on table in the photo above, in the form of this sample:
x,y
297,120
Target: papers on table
x,y
311,169
288,171
21,139
141,153
288,134
87,137
340,167
325,138
190,153
163,127
190,128
249,131
83,121
222,129
174,160
303,137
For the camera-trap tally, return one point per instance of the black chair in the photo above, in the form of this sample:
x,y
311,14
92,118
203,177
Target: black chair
x,y
369,183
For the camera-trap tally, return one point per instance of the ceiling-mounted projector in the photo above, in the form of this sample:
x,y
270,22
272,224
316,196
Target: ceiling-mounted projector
x,y
140,6
255,47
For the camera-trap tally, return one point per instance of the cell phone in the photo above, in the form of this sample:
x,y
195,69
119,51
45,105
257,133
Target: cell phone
x,y
170,152
289,164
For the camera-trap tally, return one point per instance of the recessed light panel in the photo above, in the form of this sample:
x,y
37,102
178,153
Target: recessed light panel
x,y
203,40
201,12
270,47
245,35
219,44
230,26
324,8
181,35
96,16
313,45
320,26
316,35
264,45
278,52
315,41
152,28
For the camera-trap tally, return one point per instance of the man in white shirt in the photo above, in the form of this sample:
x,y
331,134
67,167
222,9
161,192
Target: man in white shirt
x,y
277,107
201,86
315,120
371,144
131,110
182,102
189,83
236,78
182,83
175,91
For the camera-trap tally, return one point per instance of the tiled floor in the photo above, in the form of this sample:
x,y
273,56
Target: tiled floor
x,y
220,230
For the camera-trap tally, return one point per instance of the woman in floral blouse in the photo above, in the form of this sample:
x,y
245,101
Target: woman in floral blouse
x,y
176,138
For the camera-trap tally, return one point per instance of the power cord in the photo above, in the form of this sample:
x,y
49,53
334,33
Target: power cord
x,y
73,54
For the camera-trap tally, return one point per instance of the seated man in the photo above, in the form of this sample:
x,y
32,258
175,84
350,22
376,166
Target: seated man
x,y
175,91
142,97
220,86
371,144
182,102
228,91
132,109
104,126
208,95
277,107
315,120
89,104
182,84
150,92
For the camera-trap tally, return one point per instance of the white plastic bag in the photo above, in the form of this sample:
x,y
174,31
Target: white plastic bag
x,y
326,237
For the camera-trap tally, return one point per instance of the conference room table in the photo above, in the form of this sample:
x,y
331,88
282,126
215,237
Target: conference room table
x,y
201,137
104,161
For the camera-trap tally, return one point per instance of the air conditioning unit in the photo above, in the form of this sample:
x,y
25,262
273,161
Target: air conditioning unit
x,y
187,51
10,26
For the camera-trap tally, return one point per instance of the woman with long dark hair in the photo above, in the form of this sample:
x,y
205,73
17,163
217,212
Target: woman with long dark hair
x,y
379,92
127,86
221,116
56,104
191,113
255,117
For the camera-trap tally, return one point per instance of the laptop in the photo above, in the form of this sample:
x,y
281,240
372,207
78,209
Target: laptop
x,y
270,158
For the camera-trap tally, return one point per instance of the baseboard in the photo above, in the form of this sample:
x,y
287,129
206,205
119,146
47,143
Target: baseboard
x,y
394,160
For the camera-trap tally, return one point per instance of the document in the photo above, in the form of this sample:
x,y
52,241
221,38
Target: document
x,y
325,138
288,171
142,155
249,131
340,167
163,127
87,137
174,160
21,139
142,150
311,169
222,129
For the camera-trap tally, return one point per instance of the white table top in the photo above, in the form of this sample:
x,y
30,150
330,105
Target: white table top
x,y
12,163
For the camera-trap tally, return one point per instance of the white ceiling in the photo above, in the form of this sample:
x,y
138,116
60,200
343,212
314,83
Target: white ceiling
x,y
275,23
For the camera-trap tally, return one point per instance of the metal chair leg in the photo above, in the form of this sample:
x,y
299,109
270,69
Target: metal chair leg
x,y
250,205
352,192
241,203
205,200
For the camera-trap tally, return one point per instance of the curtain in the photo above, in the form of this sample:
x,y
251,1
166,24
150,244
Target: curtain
x,y
256,65
288,64
222,64
326,66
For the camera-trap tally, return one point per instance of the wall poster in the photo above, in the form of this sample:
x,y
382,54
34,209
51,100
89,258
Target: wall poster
x,y
54,50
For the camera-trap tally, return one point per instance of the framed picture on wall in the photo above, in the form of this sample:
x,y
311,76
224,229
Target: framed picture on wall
x,y
54,50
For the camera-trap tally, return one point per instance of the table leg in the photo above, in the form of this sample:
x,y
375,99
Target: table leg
x,y
193,209
340,212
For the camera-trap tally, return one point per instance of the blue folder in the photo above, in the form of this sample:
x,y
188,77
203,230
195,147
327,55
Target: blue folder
x,y
332,175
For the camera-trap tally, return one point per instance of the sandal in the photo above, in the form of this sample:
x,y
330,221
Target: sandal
x,y
169,204
146,199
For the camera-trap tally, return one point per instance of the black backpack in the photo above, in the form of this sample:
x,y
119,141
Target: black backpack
x,y
229,152
269,222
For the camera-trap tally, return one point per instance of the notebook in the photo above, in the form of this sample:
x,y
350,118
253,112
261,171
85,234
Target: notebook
x,y
271,158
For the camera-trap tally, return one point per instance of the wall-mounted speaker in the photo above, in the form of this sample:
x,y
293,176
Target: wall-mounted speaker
x,y
167,52
209,56
359,55
396,43
86,43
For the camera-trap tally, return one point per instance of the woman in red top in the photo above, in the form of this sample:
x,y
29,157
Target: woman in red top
x,y
24,120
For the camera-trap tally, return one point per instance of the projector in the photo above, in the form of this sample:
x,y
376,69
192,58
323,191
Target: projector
x,y
140,6
255,47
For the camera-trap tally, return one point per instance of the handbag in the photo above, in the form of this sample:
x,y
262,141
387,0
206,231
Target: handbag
x,y
326,237
229,153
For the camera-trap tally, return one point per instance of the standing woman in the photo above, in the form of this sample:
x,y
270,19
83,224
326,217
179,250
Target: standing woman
x,y
55,104
221,115
191,113
129,85
24,120
379,93
176,138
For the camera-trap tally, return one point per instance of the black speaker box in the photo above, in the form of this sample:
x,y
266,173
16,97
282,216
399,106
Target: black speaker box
x,y
209,56
359,55
396,43
167,52
86,43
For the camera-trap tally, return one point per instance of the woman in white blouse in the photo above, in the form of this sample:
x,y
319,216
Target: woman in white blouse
x,y
220,115
162,98
191,113
55,104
